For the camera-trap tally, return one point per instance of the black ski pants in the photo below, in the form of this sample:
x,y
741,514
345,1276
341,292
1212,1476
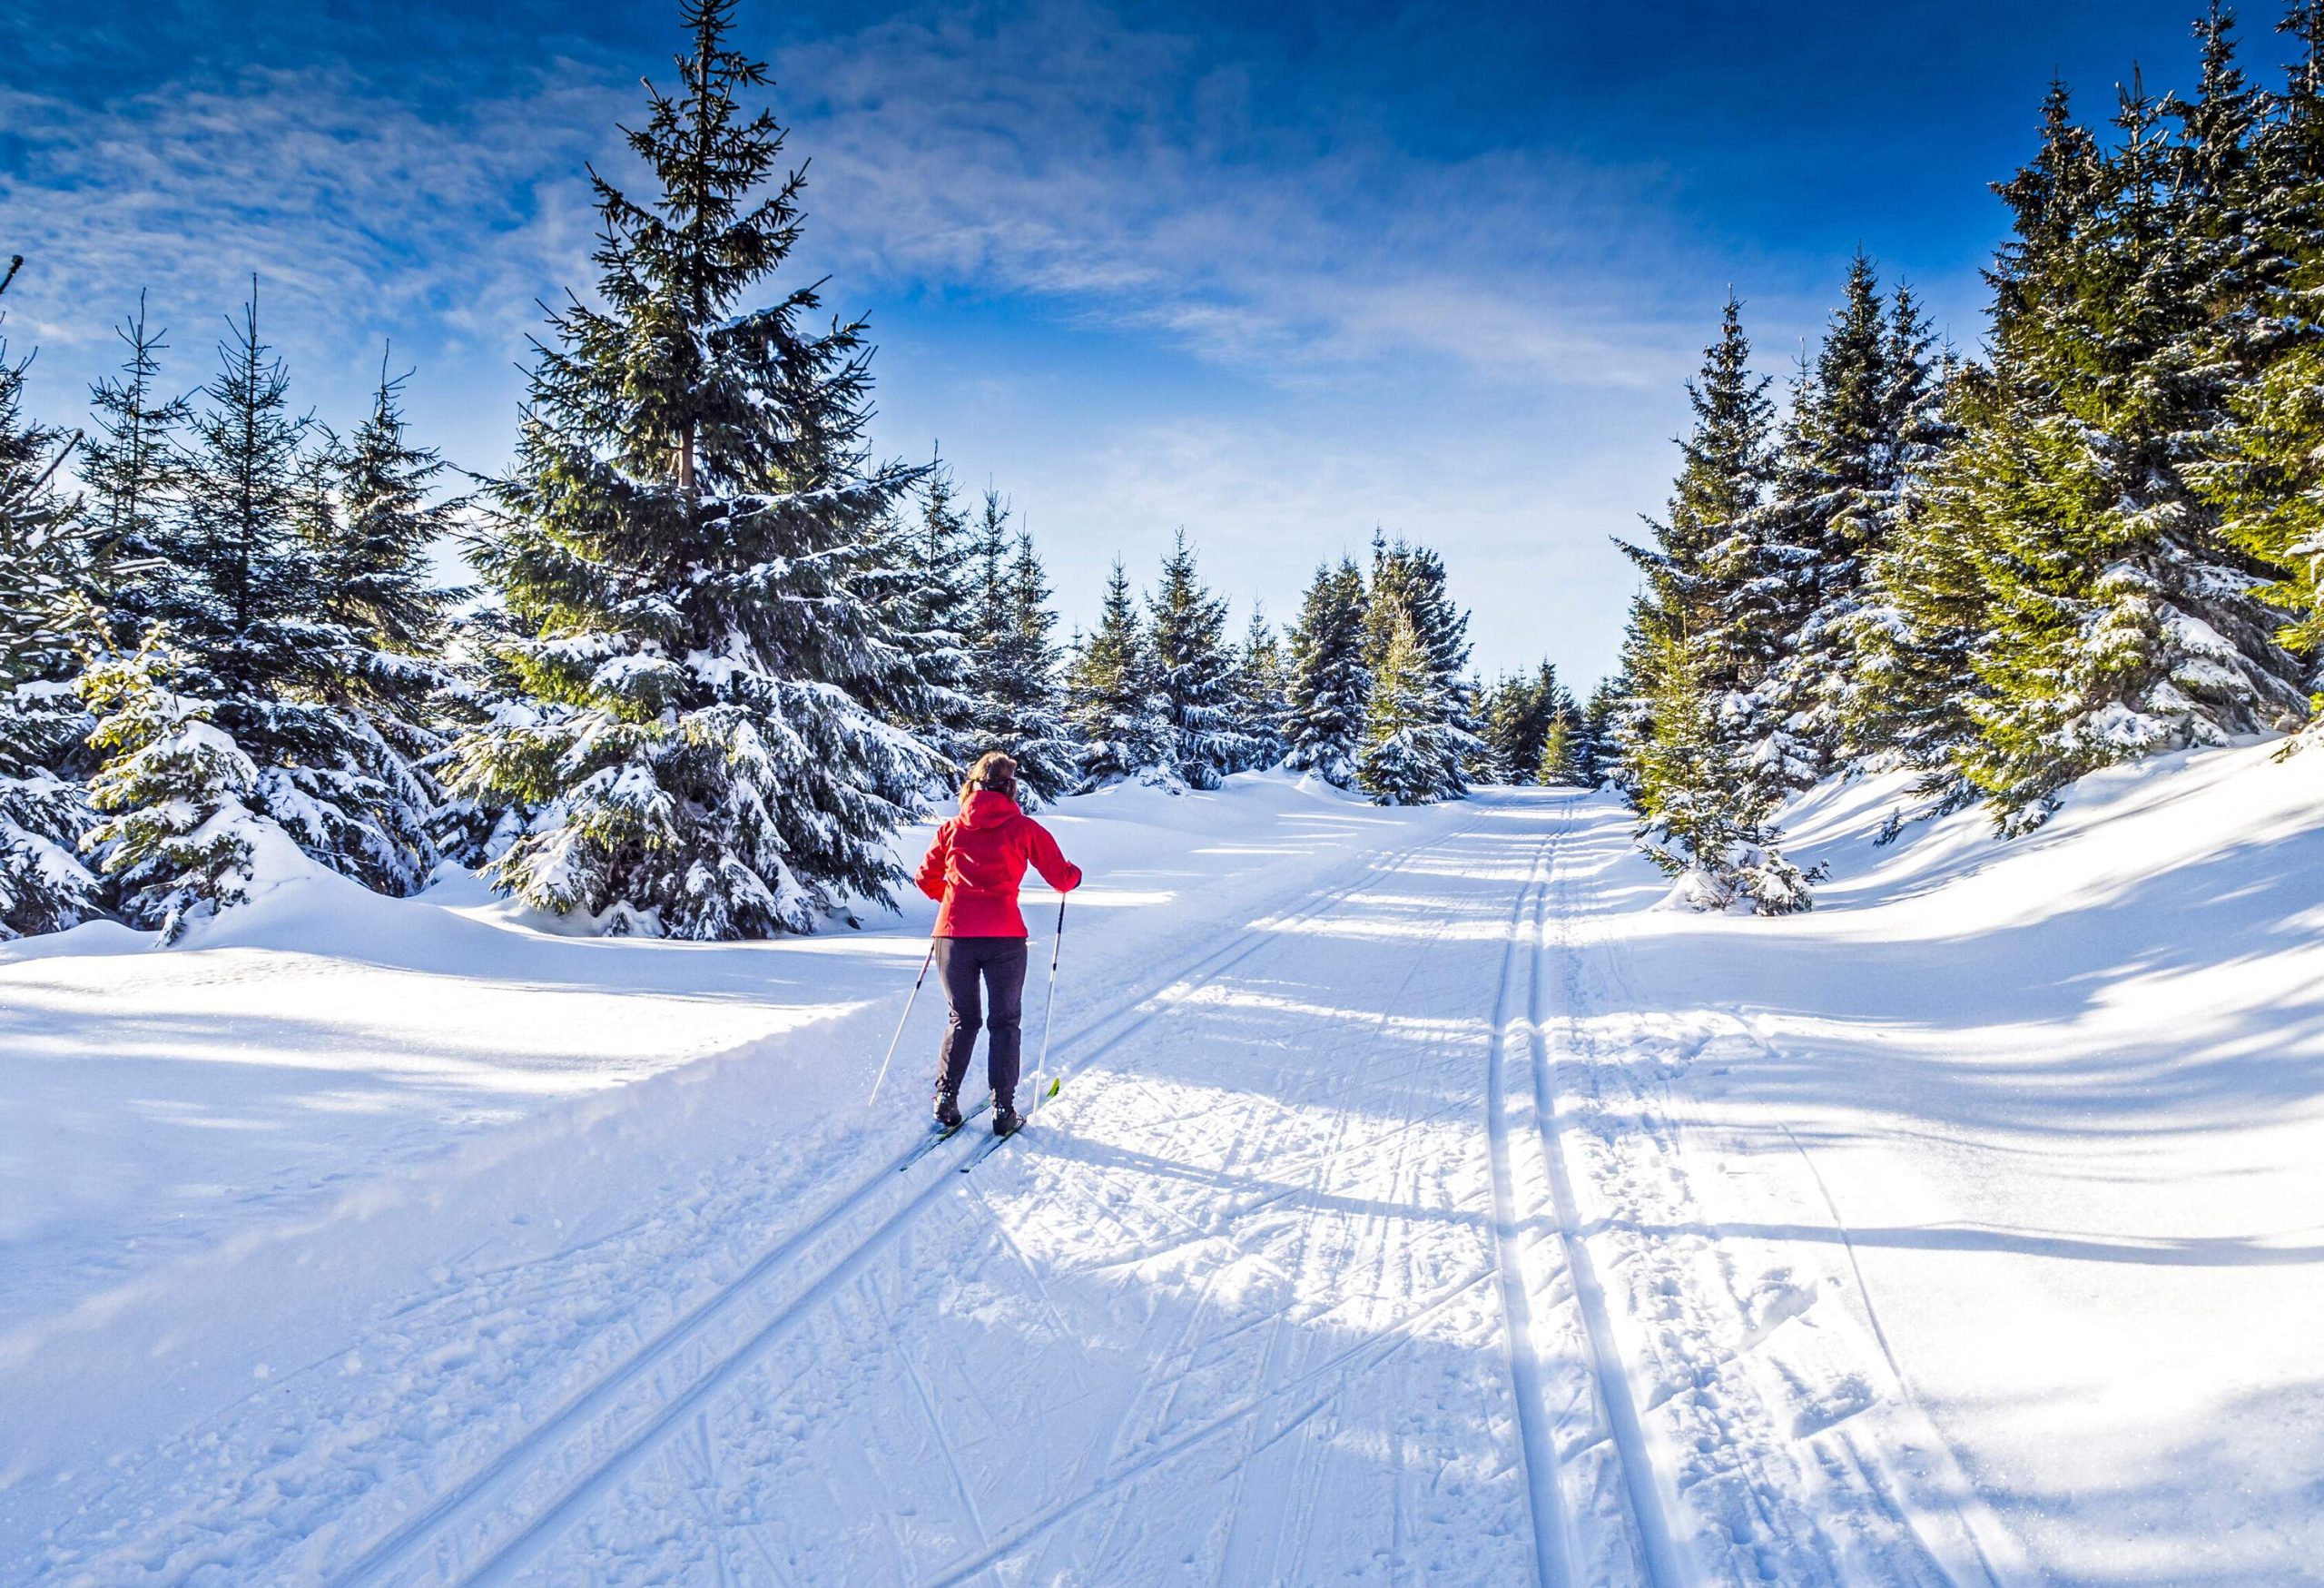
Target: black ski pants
x,y
999,964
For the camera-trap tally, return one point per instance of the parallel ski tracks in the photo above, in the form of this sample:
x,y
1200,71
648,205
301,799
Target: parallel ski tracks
x,y
1537,1446
473,1499
1641,1490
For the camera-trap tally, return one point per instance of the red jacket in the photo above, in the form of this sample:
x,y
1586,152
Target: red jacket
x,y
976,862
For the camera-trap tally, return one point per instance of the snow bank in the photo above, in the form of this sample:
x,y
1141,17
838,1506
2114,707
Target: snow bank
x,y
2065,1097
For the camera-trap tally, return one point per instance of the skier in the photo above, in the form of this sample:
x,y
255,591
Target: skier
x,y
973,870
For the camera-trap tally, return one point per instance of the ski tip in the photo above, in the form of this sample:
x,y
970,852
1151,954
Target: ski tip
x,y
1053,1086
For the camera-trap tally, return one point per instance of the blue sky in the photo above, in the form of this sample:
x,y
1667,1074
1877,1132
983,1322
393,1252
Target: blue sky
x,y
1276,275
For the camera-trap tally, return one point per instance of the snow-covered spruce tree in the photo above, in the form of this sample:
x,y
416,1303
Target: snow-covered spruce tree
x,y
1408,582
1595,751
682,537
1262,694
1904,702
1518,714
1836,505
945,613
180,837
375,531
2263,469
1707,826
132,464
1017,705
46,619
1707,609
1329,682
1194,673
1111,700
2116,619
1412,749
238,581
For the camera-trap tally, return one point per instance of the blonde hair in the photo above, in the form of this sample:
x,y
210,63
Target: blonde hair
x,y
994,770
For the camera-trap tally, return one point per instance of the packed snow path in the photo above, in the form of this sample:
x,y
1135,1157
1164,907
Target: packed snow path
x,y
1351,1254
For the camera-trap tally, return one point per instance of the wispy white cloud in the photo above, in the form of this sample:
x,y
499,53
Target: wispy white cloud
x,y
1050,151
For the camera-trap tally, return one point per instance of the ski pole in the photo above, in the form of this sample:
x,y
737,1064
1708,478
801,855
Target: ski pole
x,y
898,1037
1049,1009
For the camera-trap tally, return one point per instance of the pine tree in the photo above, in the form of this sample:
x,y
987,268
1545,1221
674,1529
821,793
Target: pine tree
x,y
180,837
1329,682
1705,818
240,583
2263,466
1408,586
1559,763
131,463
1840,496
1112,700
374,537
1904,700
947,614
1598,751
1519,713
1412,750
1194,673
687,535
47,618
1705,630
1262,702
2115,620
1013,682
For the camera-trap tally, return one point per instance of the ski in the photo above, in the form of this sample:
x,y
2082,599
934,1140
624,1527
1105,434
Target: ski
x,y
938,1138
988,1149
997,1142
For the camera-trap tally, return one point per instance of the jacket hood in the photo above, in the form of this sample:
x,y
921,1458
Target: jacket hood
x,y
988,808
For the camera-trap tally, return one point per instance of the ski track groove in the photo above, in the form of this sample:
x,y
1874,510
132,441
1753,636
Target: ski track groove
x,y
411,1538
1325,1160
1536,1451
1383,1344
1189,1345
1641,1489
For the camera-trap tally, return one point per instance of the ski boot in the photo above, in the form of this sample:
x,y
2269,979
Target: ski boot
x,y
948,1110
1006,1120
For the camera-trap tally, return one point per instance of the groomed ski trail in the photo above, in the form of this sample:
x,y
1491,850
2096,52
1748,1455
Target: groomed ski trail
x,y
1362,1245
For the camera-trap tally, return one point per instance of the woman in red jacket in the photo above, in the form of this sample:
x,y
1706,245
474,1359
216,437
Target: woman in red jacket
x,y
973,869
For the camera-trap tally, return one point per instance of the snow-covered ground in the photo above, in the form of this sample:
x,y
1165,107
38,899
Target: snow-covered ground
x,y
1422,1204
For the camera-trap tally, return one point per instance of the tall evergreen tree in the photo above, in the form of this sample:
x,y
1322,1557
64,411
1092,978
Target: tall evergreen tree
x,y
1519,713
1329,682
240,592
1263,701
1017,708
685,534
1840,496
2116,621
45,619
2263,466
949,579
131,463
1196,674
1408,586
1112,702
1694,753
1412,747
